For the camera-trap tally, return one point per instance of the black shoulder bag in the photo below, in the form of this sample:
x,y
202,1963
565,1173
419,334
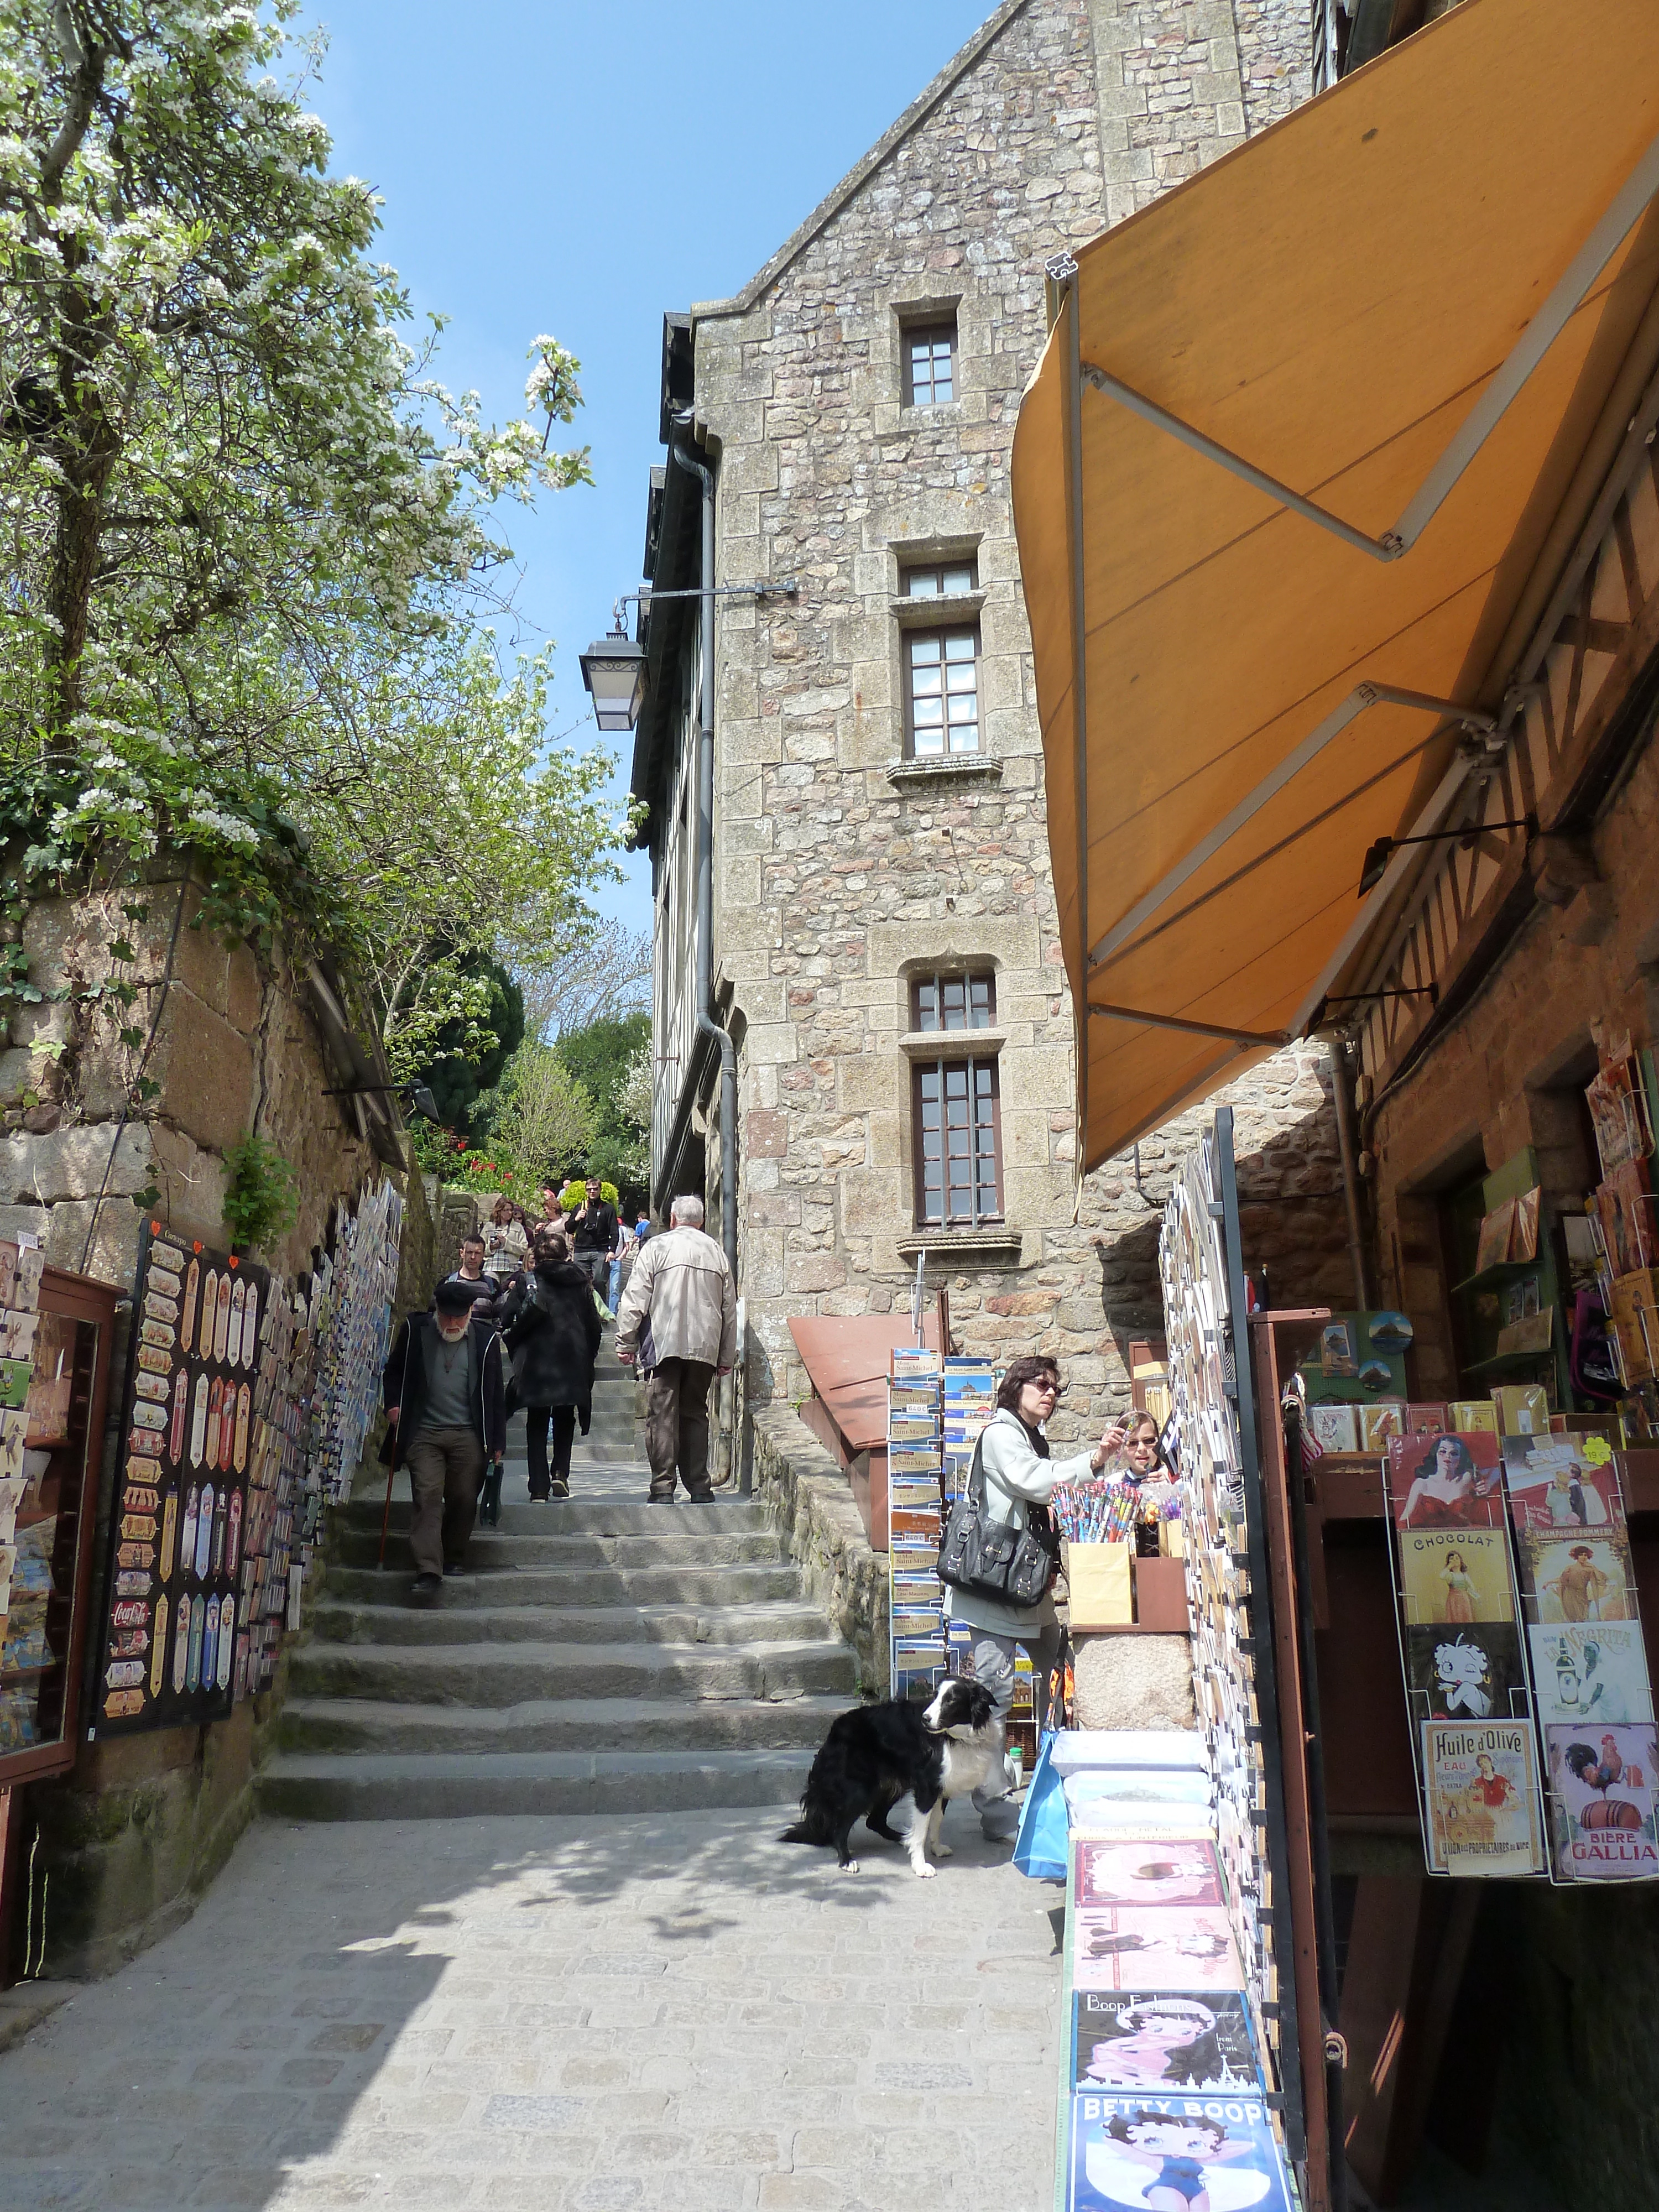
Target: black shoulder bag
x,y
1010,1563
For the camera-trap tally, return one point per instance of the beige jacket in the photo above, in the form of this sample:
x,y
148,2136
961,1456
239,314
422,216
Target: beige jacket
x,y
679,1302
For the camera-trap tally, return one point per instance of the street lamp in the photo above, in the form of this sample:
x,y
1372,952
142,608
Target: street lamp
x,y
613,669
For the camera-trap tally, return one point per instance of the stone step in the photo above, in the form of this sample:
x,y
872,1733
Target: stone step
x,y
743,1548
560,1587
370,1787
587,1518
400,1623
314,1725
507,1673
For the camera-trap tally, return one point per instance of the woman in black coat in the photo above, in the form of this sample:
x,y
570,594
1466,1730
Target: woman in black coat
x,y
552,1331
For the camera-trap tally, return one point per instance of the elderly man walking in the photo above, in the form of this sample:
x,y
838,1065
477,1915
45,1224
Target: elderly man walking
x,y
446,1402
680,1320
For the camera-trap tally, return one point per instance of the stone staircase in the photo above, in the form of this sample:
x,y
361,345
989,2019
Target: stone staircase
x,y
600,1655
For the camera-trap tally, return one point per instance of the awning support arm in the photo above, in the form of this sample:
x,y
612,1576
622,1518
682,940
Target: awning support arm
x,y
1483,418
1362,696
1245,1039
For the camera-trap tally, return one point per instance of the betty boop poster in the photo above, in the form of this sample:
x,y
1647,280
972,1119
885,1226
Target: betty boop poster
x,y
1174,2154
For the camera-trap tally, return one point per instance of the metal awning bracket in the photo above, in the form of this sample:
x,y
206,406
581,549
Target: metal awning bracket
x,y
1482,419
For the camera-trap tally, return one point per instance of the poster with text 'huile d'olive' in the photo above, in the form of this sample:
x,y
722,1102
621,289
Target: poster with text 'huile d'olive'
x,y
168,1652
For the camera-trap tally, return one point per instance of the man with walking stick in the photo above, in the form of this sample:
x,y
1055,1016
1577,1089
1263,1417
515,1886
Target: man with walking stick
x,y
445,1406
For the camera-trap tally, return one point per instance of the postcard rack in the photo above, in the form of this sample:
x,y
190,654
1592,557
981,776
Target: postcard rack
x,y
1250,1684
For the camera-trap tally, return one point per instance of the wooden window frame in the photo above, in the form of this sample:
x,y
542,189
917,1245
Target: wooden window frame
x,y
979,1217
940,570
909,639
937,981
930,332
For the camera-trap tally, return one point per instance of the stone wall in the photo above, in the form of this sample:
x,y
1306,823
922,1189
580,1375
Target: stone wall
x,y
807,1501
130,1837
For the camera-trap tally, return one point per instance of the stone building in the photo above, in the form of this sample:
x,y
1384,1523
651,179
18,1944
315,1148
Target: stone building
x,y
883,954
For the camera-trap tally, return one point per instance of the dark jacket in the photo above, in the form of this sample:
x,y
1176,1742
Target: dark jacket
x,y
596,1231
552,1329
403,1385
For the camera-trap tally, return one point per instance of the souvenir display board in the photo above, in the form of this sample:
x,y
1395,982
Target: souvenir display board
x,y
55,1330
180,1516
353,1328
1213,1433
1581,1635
1467,1690
284,1485
1162,2092
915,1473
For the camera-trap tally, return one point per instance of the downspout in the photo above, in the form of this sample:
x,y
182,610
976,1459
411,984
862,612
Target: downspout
x,y
1342,1101
704,872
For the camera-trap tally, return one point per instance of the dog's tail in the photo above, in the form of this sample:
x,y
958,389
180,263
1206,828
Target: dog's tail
x,y
813,1826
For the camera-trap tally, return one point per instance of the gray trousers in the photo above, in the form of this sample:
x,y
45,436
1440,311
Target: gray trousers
x,y
446,1466
993,1665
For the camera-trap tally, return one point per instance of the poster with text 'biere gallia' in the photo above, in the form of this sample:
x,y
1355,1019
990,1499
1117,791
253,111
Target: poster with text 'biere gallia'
x,y
168,1652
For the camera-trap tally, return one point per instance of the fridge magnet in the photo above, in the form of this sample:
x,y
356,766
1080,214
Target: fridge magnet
x,y
1169,2039
1451,1580
1449,1481
1142,2154
1472,1673
1590,1672
1602,1802
1482,1784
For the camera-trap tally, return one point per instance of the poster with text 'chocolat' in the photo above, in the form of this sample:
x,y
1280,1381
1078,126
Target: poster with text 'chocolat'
x,y
169,1639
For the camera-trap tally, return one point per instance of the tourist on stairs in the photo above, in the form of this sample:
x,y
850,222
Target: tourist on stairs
x,y
552,1331
680,1320
445,1404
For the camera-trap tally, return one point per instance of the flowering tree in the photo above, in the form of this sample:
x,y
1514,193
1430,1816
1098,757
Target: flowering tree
x,y
245,534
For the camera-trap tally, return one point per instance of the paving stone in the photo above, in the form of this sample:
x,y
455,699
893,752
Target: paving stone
x,y
669,2012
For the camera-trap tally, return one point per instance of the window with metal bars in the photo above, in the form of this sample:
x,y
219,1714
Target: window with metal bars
x,y
930,363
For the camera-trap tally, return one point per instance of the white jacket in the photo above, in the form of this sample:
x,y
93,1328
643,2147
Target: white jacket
x,y
679,1302
1016,1475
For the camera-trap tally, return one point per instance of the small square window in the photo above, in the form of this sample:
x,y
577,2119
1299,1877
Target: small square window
x,y
953,1002
930,363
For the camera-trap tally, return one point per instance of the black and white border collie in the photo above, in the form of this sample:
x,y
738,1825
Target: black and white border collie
x,y
902,1758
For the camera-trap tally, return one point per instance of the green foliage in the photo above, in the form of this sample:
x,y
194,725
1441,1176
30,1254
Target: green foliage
x,y
462,1070
575,1194
602,1057
247,536
543,1119
261,1198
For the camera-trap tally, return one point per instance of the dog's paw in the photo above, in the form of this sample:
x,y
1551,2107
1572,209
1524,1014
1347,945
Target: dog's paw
x,y
926,1873
943,1851
849,1865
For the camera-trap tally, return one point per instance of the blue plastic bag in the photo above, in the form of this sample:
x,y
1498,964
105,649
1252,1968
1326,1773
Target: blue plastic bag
x,y
1041,1849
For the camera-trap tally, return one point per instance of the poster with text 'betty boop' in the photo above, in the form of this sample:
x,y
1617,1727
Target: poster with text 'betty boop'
x,y
177,1527
1148,2154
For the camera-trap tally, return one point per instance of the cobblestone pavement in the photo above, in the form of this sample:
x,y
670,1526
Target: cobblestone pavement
x,y
542,2015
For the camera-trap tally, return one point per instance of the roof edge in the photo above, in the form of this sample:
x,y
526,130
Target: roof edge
x,y
916,113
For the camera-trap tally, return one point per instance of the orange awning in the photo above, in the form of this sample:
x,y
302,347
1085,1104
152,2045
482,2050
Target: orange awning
x,y
1408,304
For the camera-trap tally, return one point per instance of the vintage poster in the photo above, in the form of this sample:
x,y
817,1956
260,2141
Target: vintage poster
x,y
1124,1947
1565,1486
1594,1672
1165,2039
167,1650
1449,1482
1161,2153
1148,1874
1453,1579
1562,1579
1471,1673
1481,1785
1601,1810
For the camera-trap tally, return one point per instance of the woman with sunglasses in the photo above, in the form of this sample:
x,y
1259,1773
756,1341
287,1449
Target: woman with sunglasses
x,y
1020,1475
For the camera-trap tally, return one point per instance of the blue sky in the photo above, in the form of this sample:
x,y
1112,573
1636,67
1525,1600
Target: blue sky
x,y
580,169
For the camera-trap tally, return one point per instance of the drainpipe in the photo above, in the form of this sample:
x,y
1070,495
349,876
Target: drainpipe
x,y
1342,1100
704,985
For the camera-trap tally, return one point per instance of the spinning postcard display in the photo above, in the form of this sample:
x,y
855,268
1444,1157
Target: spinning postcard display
x,y
177,1530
